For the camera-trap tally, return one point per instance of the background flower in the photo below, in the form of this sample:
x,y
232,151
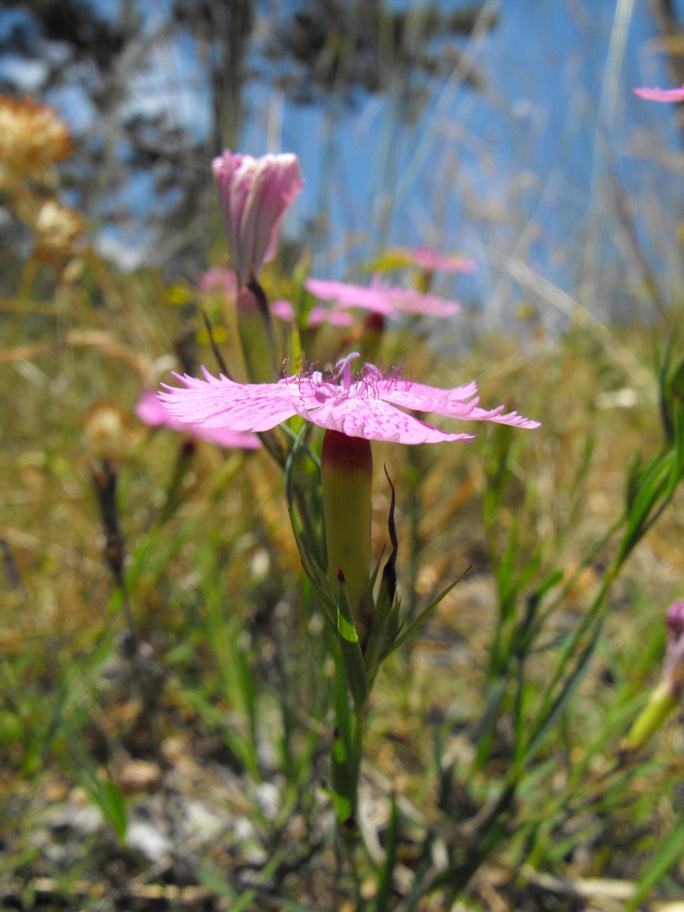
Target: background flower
x,y
150,411
661,94
32,138
381,299
438,262
218,280
254,193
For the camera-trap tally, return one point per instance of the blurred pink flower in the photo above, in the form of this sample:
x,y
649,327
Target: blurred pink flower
x,y
674,620
283,310
438,262
347,295
218,279
408,300
369,405
661,94
150,411
254,193
335,317
673,664
381,299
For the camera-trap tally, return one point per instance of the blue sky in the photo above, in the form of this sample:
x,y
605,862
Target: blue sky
x,y
519,171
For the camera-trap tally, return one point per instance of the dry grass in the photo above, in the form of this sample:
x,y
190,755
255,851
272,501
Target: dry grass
x,y
69,693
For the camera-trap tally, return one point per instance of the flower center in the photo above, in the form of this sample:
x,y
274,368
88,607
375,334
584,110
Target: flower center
x,y
339,384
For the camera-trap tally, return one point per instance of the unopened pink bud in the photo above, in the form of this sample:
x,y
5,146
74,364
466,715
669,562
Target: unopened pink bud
x,y
254,194
674,619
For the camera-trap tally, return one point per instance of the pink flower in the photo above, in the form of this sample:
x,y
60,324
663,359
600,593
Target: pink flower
x,y
408,300
674,620
381,299
283,309
369,405
661,94
347,295
218,280
339,317
673,663
254,193
438,262
150,411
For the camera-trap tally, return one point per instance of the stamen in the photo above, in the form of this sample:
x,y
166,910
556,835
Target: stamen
x,y
343,368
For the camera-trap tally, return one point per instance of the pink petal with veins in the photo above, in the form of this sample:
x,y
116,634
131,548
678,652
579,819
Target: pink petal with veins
x,y
151,412
369,405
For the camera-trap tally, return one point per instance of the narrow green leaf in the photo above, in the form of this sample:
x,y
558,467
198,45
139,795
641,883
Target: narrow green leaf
x,y
352,656
391,842
425,613
570,685
291,906
113,806
668,853
296,356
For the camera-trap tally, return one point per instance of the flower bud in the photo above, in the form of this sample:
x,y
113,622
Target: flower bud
x,y
254,194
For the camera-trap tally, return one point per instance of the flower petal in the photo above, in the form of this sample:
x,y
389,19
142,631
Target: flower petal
x,y
348,295
151,411
498,417
374,419
429,259
221,403
319,315
425,398
382,299
661,94
408,300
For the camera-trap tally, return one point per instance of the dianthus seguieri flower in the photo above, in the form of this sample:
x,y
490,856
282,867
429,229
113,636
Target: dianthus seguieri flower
x,y
371,404
254,194
381,299
354,409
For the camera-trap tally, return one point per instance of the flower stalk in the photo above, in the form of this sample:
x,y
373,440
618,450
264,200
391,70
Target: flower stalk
x,y
346,481
256,333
